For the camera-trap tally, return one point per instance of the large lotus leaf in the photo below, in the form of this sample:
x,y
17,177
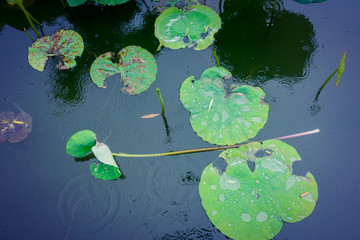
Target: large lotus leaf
x,y
105,172
65,44
14,129
80,144
309,1
176,28
103,154
246,204
136,66
219,117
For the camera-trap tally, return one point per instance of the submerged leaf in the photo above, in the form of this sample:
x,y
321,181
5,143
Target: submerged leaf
x,y
341,68
80,144
14,129
103,154
65,44
195,27
222,118
105,172
137,68
242,203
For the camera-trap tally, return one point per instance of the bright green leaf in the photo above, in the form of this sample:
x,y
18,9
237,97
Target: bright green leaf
x,y
65,44
103,154
195,27
105,172
219,117
137,68
246,204
80,144
341,68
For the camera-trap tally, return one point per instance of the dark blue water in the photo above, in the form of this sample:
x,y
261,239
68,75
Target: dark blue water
x,y
46,194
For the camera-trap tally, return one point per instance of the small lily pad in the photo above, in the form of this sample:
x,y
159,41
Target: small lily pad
x,y
179,28
242,203
65,44
220,117
137,68
105,172
14,129
80,144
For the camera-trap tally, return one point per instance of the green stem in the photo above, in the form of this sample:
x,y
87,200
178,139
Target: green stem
x,y
28,34
206,149
161,102
29,17
160,45
216,57
273,12
324,84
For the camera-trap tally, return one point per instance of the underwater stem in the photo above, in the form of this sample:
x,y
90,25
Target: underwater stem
x,y
207,149
161,102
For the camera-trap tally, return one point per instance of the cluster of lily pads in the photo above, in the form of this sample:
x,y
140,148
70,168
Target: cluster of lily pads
x,y
240,201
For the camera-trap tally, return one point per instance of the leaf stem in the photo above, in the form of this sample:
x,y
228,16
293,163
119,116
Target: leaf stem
x,y
324,84
120,154
28,34
216,57
28,17
161,102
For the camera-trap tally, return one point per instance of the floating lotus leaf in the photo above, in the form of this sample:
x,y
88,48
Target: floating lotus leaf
x,y
309,1
137,68
74,3
219,117
176,28
103,154
105,172
14,129
65,44
253,205
80,144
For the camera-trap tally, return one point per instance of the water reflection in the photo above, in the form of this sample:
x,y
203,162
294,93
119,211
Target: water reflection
x,y
255,52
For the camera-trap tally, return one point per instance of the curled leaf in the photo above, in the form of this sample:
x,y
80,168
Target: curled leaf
x,y
137,68
65,44
14,129
242,202
152,115
103,154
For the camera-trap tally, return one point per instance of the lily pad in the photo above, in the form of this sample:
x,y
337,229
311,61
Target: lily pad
x,y
65,44
309,1
137,68
220,117
243,203
105,172
14,129
176,28
80,144
74,3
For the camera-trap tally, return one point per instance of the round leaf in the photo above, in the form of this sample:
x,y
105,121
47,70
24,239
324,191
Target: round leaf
x,y
176,28
103,154
242,203
14,129
80,144
105,172
221,118
65,44
136,66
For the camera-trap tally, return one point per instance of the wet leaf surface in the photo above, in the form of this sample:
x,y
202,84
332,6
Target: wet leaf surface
x,y
219,117
65,44
14,128
177,28
105,172
137,68
80,144
242,203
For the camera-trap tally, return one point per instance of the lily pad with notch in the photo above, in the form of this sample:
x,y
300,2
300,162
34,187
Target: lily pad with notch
x,y
14,128
242,203
137,68
220,117
65,44
105,172
179,28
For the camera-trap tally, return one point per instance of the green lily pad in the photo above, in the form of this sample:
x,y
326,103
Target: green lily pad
x,y
341,68
176,28
243,203
105,172
74,3
219,117
137,68
80,144
65,44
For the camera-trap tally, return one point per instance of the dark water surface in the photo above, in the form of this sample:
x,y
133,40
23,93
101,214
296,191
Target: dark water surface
x,y
45,194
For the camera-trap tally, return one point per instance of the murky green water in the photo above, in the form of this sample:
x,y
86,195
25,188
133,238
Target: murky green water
x,y
45,194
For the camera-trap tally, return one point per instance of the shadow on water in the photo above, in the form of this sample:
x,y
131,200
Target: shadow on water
x,y
254,53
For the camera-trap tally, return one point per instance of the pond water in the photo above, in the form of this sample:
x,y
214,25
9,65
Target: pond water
x,y
46,194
